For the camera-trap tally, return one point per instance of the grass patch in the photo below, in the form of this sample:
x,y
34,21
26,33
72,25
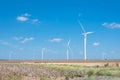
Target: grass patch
x,y
90,73
103,73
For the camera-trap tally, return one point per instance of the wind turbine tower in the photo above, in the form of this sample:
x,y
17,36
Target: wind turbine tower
x,y
85,39
10,56
43,49
68,48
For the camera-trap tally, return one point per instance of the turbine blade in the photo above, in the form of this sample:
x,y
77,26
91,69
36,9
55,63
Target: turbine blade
x,y
89,32
68,43
82,27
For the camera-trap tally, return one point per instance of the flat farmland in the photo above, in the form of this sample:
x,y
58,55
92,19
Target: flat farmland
x,y
76,62
60,70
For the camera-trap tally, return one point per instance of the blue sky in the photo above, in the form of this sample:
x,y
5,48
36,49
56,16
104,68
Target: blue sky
x,y
27,26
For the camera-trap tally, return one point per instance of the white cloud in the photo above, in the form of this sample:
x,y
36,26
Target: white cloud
x,y
26,14
96,44
56,40
26,17
35,21
111,25
27,39
6,43
23,39
22,18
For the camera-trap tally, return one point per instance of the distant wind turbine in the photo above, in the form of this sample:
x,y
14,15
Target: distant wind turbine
x,y
85,39
68,48
104,56
42,52
9,56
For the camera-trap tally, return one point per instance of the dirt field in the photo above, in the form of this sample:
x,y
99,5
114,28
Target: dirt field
x,y
79,62
59,70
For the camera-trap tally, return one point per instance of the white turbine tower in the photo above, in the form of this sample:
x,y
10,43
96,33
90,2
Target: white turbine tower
x,y
85,39
42,52
68,48
10,55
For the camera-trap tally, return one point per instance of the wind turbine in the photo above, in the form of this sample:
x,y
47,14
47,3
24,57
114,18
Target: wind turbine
x,y
43,49
68,48
85,39
10,55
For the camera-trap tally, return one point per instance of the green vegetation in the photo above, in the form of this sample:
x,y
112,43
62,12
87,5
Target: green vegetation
x,y
38,71
104,73
90,78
